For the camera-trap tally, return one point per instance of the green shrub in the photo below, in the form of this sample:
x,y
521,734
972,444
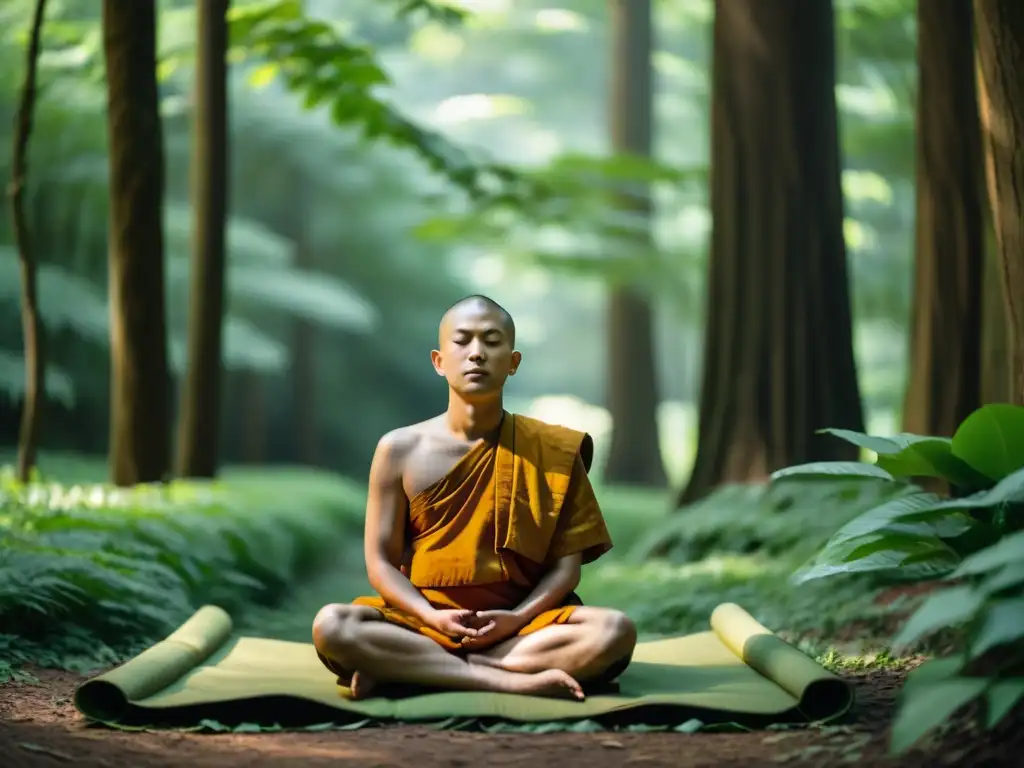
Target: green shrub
x,y
791,519
974,539
121,567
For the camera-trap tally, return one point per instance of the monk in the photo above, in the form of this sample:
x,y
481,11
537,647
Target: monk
x,y
478,522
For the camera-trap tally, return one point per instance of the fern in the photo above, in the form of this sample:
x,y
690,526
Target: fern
x,y
135,563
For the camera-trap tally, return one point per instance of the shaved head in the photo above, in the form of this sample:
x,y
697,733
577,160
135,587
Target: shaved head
x,y
478,301
476,347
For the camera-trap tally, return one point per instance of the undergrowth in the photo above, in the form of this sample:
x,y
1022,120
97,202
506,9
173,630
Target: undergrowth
x,y
741,544
91,573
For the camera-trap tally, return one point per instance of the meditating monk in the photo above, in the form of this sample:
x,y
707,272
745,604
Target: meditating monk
x,y
478,522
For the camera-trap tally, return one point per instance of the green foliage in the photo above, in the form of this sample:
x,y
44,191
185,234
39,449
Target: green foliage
x,y
127,566
975,540
920,535
741,545
317,61
779,519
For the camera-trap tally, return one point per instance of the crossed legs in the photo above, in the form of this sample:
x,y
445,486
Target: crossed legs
x,y
549,662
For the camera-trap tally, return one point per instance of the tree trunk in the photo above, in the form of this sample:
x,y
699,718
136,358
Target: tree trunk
x,y
199,420
634,456
253,386
31,324
945,350
995,351
779,361
1000,38
140,379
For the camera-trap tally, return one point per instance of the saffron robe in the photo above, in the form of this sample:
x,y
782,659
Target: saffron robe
x,y
483,536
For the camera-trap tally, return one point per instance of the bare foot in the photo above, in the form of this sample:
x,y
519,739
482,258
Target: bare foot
x,y
553,683
362,686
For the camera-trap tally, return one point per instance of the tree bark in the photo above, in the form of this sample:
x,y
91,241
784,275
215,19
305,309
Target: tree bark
x,y
31,323
779,361
140,379
995,351
634,456
199,420
1000,41
946,336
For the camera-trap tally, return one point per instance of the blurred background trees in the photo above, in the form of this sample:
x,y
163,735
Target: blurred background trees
x,y
358,209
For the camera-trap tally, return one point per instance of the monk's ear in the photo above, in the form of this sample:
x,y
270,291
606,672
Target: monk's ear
x,y
517,358
435,358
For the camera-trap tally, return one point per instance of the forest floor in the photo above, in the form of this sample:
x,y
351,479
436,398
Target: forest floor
x,y
39,725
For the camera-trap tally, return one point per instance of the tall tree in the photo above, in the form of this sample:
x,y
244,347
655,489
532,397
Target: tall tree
x,y
946,337
199,418
779,361
140,380
995,352
1000,41
31,324
634,456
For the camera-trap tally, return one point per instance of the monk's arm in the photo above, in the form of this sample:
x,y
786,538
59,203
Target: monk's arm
x,y
384,539
552,590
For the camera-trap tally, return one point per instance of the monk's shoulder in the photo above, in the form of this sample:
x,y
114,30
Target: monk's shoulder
x,y
566,440
547,430
395,447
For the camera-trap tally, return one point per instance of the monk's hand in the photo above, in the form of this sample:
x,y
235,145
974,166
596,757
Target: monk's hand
x,y
454,623
495,626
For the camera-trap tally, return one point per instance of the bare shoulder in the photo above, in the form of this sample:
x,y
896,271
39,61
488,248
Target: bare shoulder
x,y
395,447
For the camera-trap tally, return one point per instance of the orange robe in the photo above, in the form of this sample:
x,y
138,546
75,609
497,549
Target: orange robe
x,y
483,536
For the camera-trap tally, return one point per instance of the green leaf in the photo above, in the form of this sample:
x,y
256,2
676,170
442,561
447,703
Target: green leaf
x,y
263,75
991,440
927,705
66,300
1001,697
832,470
248,242
925,557
1003,623
910,514
934,670
319,298
943,609
889,446
1008,550
59,384
1009,490
906,455
1012,575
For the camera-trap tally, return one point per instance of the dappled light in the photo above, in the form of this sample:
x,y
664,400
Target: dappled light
x,y
434,382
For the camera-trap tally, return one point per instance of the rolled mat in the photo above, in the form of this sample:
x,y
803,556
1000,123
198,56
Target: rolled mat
x,y
739,671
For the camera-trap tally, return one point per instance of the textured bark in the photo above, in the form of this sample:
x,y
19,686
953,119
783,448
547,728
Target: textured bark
x,y
779,361
1000,41
31,323
199,419
995,350
945,350
140,380
634,456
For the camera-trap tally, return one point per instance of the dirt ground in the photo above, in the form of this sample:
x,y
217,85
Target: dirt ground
x,y
40,727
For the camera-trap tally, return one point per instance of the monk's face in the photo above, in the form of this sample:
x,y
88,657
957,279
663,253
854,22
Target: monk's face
x,y
475,352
